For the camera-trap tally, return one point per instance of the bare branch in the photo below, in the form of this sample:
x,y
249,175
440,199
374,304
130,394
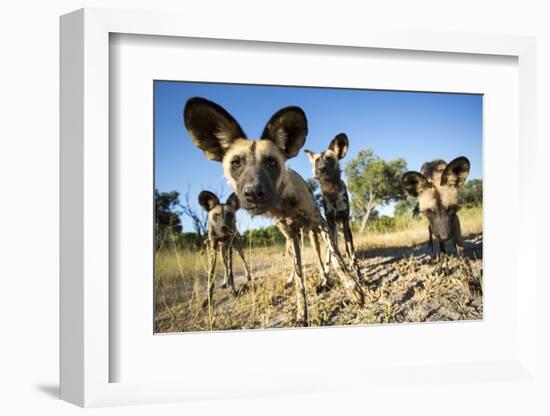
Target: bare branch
x,y
198,217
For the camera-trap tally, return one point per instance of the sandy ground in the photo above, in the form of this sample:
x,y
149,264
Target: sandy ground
x,y
401,285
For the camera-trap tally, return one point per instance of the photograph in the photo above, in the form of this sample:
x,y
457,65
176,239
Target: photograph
x,y
290,206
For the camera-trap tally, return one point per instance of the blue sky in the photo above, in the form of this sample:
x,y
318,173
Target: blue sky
x,y
415,126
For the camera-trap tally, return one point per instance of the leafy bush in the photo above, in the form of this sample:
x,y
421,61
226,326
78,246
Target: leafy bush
x,y
385,224
263,236
471,194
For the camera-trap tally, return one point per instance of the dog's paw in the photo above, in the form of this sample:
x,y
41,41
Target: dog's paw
x,y
243,289
301,322
323,287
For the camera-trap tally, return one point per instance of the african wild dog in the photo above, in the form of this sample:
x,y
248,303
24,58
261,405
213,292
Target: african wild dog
x,y
223,236
256,171
335,200
436,186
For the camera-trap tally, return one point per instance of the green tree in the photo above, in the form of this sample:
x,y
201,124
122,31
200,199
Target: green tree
x,y
167,220
373,182
471,194
408,206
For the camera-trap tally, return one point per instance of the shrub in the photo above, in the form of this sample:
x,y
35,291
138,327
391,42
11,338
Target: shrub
x,y
263,236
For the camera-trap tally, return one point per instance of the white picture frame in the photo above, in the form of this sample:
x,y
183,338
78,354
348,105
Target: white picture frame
x,y
86,356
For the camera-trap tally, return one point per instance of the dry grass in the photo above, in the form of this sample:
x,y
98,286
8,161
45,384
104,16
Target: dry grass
x,y
471,223
402,281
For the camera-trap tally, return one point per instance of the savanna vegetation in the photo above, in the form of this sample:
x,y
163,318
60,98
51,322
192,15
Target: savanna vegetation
x,y
403,281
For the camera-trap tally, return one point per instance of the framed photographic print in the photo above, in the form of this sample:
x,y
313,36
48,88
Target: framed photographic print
x,y
288,212
368,189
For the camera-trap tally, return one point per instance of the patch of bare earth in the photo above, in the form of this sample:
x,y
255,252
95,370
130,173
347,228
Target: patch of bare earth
x,y
401,285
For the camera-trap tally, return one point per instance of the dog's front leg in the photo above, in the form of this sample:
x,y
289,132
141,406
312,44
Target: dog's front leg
x,y
349,281
211,252
290,281
314,236
333,233
442,247
457,236
227,256
350,248
302,313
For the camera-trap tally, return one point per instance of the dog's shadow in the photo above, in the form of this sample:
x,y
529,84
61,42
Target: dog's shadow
x,y
473,249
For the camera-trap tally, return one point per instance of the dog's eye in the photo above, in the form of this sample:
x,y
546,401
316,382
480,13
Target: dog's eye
x,y
271,162
429,212
236,163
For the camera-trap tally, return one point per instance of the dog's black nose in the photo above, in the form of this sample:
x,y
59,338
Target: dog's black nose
x,y
254,193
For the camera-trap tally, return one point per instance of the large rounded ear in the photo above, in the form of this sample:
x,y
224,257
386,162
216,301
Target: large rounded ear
x,y
233,201
208,200
287,129
456,172
309,154
414,183
211,128
339,145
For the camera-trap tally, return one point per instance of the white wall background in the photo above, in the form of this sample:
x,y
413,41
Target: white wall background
x,y
29,100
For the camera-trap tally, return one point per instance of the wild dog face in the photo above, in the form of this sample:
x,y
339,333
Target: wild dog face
x,y
255,169
326,164
221,217
436,186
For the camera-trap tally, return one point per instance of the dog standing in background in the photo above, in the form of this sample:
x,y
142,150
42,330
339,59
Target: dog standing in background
x,y
436,186
223,236
335,199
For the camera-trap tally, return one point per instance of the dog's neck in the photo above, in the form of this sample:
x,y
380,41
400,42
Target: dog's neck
x,y
222,236
295,206
330,185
